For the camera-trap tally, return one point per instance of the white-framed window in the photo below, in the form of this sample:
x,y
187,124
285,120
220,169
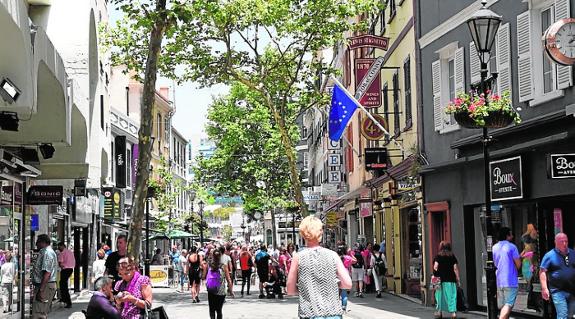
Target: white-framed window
x,y
448,79
305,160
540,79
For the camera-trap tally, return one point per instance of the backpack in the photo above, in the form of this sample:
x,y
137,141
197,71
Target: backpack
x,y
379,265
359,258
213,280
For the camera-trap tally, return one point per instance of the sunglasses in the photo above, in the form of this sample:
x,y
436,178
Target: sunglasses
x,y
124,265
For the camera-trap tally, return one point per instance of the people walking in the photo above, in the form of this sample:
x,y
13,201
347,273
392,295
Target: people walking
x,y
100,305
358,270
379,268
113,258
7,273
262,268
246,264
445,268
315,273
217,275
44,278
347,260
183,266
194,273
557,277
506,259
134,289
67,262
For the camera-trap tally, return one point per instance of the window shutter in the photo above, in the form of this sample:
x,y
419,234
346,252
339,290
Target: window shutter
x,y
524,59
503,59
564,73
474,64
436,83
459,71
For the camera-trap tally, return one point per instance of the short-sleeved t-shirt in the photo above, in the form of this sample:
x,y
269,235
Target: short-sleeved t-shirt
x,y
445,270
112,264
504,254
560,270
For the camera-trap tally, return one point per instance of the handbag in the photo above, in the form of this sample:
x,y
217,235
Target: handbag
x,y
367,279
435,282
158,313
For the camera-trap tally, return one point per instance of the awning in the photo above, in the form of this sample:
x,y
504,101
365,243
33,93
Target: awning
x,y
354,193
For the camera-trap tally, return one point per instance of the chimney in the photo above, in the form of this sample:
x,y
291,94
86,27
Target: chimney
x,y
165,92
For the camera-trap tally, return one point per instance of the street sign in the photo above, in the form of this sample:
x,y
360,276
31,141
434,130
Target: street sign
x,y
370,130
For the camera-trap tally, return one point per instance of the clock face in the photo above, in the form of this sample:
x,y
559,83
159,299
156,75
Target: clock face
x,y
560,41
565,40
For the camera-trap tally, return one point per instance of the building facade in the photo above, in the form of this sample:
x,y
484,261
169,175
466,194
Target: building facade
x,y
453,180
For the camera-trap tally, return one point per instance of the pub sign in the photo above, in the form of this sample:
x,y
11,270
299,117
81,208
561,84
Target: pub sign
x,y
506,179
376,158
562,166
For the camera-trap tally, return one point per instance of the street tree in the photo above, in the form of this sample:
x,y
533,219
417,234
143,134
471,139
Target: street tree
x,y
267,45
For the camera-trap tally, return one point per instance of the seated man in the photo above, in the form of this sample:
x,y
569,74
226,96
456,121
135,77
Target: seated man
x,y
275,282
101,306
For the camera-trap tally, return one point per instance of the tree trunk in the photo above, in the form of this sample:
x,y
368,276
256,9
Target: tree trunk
x,y
144,140
290,153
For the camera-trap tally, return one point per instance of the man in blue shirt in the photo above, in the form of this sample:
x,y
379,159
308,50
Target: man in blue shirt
x,y
507,260
557,276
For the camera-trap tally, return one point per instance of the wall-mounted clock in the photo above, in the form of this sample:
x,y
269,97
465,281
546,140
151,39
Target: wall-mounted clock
x,y
559,41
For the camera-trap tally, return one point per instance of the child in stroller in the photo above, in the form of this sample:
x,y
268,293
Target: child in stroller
x,y
277,280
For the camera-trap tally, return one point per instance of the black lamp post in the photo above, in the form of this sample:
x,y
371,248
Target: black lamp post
x,y
483,26
201,204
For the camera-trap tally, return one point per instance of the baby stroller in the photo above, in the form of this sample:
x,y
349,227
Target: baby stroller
x,y
277,280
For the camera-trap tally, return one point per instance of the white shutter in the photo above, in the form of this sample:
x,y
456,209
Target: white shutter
x,y
564,73
474,64
524,71
459,70
436,83
503,59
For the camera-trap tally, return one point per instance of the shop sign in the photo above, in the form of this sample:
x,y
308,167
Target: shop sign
x,y
311,196
334,145
329,189
120,162
135,159
370,130
376,158
334,160
506,179
45,195
112,203
335,176
365,209
340,214
331,218
562,165
368,41
371,98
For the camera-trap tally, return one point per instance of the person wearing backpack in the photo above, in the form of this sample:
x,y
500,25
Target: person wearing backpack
x,y
216,275
358,271
379,266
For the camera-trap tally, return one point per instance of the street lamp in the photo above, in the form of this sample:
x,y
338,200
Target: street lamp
x,y
201,204
483,26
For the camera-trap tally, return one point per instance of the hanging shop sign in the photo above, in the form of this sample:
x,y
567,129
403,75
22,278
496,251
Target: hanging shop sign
x,y
370,130
45,195
371,98
365,209
368,41
120,162
506,179
334,160
334,177
331,218
561,166
135,159
375,158
112,203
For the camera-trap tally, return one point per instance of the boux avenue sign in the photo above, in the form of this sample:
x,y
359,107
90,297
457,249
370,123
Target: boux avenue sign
x,y
506,179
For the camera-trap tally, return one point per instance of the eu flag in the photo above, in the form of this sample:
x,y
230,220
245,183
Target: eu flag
x,y
342,108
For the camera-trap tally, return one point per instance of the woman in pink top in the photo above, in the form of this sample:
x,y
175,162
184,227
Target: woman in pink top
x,y
347,258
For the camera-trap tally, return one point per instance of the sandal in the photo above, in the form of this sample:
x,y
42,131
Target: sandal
x,y
437,315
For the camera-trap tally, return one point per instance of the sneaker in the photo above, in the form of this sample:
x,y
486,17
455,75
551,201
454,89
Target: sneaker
x,y
356,294
248,293
197,299
194,301
261,296
378,295
361,295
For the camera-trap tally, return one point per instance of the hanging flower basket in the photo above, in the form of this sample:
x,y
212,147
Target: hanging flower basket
x,y
478,111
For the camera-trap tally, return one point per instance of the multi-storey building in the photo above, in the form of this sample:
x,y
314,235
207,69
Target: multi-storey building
x,y
454,178
179,171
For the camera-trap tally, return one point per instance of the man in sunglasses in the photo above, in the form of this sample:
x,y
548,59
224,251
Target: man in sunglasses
x,y
557,276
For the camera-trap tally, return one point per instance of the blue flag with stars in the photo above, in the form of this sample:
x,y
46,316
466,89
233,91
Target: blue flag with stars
x,y
342,108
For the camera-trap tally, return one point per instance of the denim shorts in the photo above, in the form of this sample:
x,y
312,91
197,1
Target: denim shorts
x,y
506,296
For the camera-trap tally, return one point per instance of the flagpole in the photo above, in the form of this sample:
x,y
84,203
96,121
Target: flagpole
x,y
342,136
376,122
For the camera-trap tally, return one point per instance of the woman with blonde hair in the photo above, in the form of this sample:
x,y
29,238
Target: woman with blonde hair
x,y
317,274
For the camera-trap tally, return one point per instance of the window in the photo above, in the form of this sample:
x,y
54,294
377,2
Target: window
x,y
396,111
127,101
448,78
407,91
386,108
540,80
159,131
392,10
305,160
